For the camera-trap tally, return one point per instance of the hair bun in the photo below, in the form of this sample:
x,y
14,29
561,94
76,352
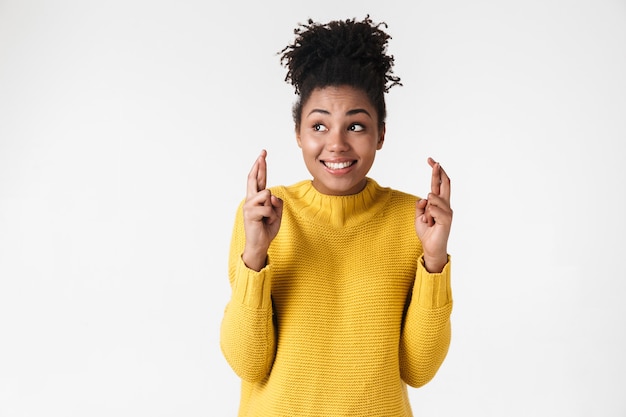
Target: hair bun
x,y
343,43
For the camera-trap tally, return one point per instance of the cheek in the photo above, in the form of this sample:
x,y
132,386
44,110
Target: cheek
x,y
368,149
309,147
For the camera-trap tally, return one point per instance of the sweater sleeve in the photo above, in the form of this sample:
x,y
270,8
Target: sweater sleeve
x,y
425,334
247,334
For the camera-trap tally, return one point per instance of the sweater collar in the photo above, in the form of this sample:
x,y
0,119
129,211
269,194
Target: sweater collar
x,y
338,211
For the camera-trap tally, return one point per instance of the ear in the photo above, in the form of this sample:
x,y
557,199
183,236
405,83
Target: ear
x,y
381,137
298,138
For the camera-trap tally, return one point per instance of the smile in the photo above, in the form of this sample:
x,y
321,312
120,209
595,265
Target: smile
x,y
338,165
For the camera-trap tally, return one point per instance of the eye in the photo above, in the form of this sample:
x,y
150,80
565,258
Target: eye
x,y
356,127
318,127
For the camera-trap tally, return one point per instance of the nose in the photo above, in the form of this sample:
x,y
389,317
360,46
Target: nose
x,y
336,141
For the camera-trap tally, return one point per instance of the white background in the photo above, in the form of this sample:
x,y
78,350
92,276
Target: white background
x,y
127,129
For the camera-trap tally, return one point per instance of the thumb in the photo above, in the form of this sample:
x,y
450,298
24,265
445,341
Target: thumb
x,y
420,210
420,206
277,203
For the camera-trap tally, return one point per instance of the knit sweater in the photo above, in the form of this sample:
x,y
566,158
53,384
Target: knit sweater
x,y
343,316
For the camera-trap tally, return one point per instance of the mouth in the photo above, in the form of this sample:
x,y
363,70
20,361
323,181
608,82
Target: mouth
x,y
338,165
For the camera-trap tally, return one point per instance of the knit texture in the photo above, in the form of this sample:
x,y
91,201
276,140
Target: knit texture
x,y
343,316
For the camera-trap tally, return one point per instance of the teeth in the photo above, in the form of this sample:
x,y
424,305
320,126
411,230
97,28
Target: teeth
x,y
337,165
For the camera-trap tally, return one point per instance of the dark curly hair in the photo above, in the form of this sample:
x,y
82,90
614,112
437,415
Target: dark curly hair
x,y
340,52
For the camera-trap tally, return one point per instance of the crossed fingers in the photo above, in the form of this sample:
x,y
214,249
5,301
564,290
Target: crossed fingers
x,y
437,209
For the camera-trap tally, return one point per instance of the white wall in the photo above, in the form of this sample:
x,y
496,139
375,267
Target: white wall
x,y
127,129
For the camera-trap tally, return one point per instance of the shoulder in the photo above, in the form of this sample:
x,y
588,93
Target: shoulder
x,y
290,192
397,197
403,196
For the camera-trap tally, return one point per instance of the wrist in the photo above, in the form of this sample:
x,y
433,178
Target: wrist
x,y
435,264
254,260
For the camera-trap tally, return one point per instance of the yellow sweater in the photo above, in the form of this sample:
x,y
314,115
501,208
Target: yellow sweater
x,y
343,316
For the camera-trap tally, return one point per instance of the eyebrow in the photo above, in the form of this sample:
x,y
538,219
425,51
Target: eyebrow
x,y
348,113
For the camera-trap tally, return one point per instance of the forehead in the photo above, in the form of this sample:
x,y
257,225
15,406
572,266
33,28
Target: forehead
x,y
338,99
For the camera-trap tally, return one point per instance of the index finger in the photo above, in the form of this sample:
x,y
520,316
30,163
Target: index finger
x,y
257,176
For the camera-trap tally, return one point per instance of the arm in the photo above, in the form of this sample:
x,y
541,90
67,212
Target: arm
x,y
425,334
248,335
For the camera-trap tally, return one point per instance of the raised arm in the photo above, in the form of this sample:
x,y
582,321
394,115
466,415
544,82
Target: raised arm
x,y
426,329
247,337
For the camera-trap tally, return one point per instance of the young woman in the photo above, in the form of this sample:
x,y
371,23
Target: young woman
x,y
340,287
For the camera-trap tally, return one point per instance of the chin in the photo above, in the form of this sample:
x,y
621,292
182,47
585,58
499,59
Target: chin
x,y
340,188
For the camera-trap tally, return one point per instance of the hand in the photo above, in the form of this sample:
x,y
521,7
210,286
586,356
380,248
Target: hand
x,y
433,219
262,213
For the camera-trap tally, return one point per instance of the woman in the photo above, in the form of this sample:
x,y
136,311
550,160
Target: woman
x,y
341,288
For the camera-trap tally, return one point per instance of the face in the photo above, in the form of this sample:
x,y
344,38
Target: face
x,y
339,136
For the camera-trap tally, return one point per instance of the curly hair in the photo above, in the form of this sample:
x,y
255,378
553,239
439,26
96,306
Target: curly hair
x,y
340,52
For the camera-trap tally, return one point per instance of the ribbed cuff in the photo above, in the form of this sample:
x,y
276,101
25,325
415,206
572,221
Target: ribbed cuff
x,y
252,288
432,290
